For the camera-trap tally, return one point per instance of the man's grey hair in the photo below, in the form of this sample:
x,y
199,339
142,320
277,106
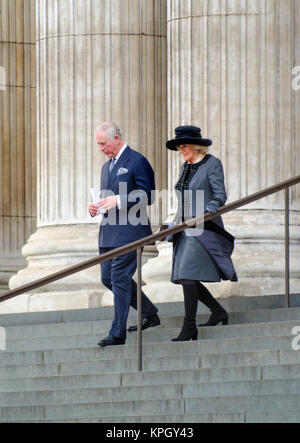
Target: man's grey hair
x,y
110,128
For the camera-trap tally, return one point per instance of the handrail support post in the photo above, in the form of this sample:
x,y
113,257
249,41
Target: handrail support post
x,y
287,248
139,309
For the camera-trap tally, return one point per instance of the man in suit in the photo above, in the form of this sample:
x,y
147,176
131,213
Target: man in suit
x,y
127,179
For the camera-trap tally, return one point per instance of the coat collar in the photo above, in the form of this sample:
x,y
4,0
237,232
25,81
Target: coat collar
x,y
195,167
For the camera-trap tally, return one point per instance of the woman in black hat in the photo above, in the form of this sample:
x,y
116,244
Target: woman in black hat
x,y
200,256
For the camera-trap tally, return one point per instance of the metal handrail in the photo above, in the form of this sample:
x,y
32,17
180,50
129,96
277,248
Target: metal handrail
x,y
139,244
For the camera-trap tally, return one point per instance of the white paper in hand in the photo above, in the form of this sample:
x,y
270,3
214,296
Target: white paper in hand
x,y
96,199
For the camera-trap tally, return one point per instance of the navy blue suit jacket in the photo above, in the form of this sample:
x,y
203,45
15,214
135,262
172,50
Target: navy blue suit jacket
x,y
131,174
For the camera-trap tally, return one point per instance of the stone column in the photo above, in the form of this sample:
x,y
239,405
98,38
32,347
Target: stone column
x,y
230,72
17,133
96,61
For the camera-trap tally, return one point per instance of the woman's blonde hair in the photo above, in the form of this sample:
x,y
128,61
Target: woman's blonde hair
x,y
199,148
202,149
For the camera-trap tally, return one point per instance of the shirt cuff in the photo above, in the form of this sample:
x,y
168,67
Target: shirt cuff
x,y
119,202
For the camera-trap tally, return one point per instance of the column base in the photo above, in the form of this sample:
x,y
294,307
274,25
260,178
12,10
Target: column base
x,y
53,301
9,267
52,249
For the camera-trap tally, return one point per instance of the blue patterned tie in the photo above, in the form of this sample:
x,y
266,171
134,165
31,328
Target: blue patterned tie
x,y
112,164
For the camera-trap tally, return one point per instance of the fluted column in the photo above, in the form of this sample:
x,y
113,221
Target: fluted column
x,y
97,60
230,72
17,133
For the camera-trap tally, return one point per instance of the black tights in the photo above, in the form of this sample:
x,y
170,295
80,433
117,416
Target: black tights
x,y
194,291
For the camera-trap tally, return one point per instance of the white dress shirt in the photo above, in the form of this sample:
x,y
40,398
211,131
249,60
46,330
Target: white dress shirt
x,y
120,153
116,161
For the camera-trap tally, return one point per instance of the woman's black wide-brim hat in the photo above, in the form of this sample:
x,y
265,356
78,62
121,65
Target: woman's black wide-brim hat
x,y
188,135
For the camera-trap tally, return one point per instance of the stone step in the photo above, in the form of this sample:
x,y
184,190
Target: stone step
x,y
167,322
94,410
243,359
287,416
198,391
272,329
152,350
269,417
53,330
286,374
103,366
153,335
236,305
241,389
128,379
210,364
53,370
240,318
266,417
170,407
220,417
92,394
212,375
242,403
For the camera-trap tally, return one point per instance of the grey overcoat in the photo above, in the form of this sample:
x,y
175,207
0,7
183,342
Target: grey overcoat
x,y
205,257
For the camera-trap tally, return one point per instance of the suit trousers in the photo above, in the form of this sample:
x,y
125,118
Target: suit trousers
x,y
116,275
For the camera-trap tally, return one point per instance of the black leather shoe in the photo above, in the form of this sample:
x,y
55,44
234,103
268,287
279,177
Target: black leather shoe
x,y
149,322
111,341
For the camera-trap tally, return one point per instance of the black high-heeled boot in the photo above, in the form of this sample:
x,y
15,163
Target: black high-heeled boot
x,y
216,318
218,313
189,330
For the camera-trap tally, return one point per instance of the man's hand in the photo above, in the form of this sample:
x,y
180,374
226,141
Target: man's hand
x,y
108,203
93,210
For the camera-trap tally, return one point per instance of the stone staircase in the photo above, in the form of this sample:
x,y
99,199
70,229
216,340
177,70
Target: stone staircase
x,y
53,371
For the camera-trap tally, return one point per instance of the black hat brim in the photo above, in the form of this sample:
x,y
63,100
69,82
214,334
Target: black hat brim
x,y
172,144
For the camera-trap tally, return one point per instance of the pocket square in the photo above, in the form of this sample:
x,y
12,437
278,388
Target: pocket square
x,y
122,171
